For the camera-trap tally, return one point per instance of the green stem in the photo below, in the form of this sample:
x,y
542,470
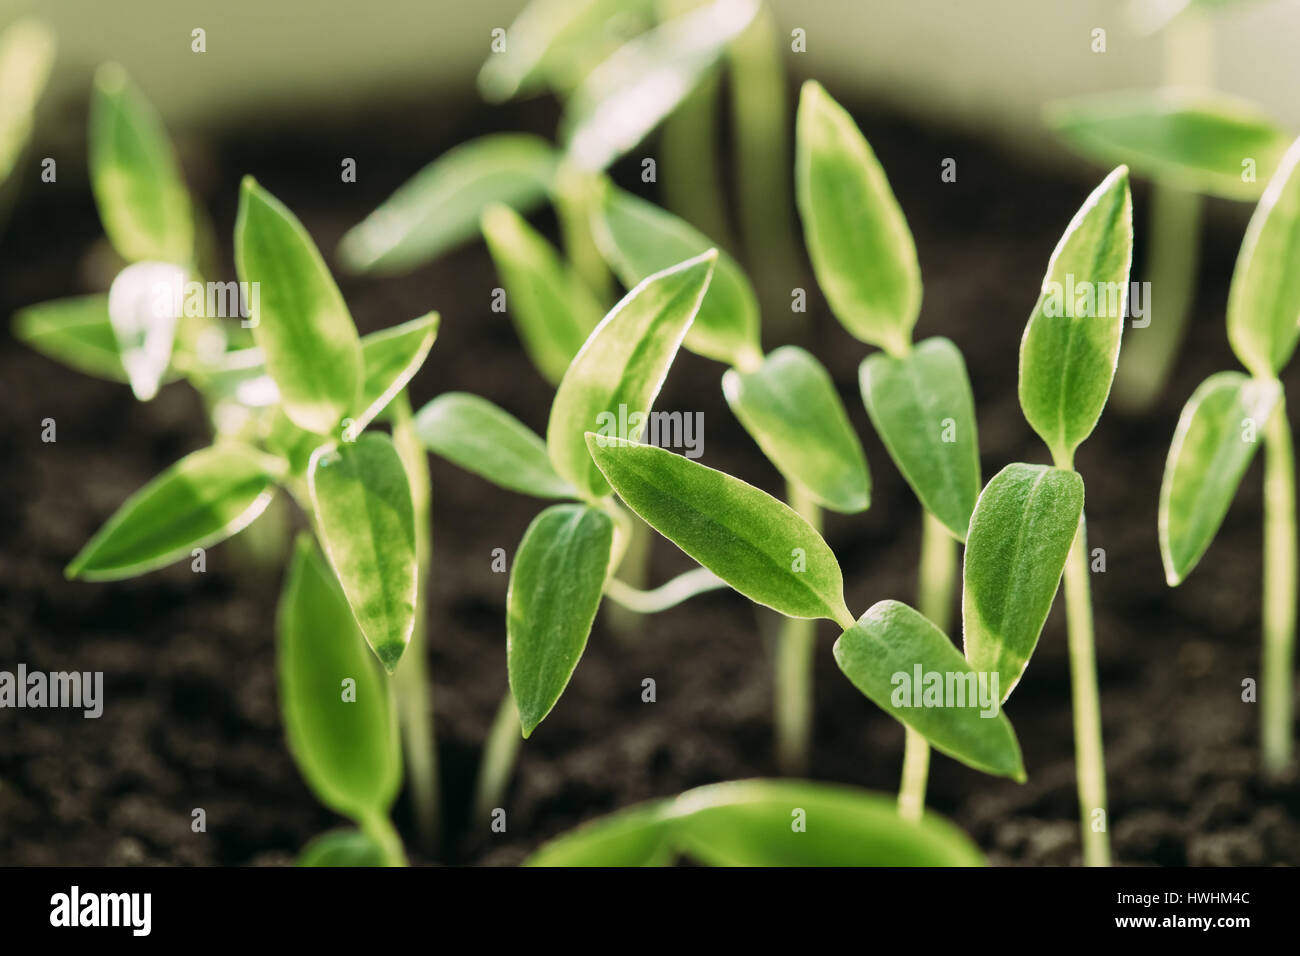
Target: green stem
x,y
1280,566
499,752
679,589
1090,764
633,571
793,675
380,829
575,191
688,161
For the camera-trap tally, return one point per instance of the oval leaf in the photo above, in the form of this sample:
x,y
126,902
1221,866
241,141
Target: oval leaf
x,y
142,199
366,521
552,309
343,848
480,437
555,589
636,836
1020,535
908,668
638,238
299,318
1071,343
622,366
760,546
201,500
390,360
440,206
1264,300
338,715
1216,439
26,54
1195,140
922,408
75,331
857,236
790,407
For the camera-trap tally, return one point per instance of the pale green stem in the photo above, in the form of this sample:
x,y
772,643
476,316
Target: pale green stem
x,y
793,666
574,193
689,169
499,752
633,571
380,829
1280,567
1090,763
679,589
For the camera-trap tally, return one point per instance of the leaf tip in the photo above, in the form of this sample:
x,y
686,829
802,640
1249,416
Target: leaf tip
x,y
110,78
390,654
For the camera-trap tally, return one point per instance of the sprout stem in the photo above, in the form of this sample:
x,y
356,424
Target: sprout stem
x,y
631,575
1090,764
793,667
674,592
380,829
690,166
1280,567
499,752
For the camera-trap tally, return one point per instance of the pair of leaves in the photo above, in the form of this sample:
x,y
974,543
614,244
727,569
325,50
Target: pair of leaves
x,y
753,823
1071,342
338,714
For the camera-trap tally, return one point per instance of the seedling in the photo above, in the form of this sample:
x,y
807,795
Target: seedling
x,y
1218,433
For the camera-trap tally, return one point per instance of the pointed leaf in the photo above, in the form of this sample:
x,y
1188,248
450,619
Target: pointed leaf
x,y
892,655
26,54
334,700
638,238
555,588
75,331
922,408
299,318
342,848
142,198
390,359
1264,300
480,437
760,546
1020,535
1216,439
636,836
1071,343
366,522
143,308
552,309
857,236
790,407
201,500
439,208
622,366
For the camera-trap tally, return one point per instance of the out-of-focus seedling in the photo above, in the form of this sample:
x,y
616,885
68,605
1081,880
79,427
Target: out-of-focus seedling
x,y
26,54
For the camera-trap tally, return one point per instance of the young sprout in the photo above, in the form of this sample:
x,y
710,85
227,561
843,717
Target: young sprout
x,y
763,823
1218,433
918,397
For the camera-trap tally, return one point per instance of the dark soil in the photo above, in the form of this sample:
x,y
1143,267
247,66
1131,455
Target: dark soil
x,y
191,714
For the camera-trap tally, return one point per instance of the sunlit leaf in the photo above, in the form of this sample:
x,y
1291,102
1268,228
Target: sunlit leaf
x,y
26,54
390,359
74,331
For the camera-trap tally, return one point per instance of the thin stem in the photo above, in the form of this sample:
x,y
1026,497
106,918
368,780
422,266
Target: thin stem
x,y
793,668
499,752
574,193
938,577
1090,764
1280,566
380,829
632,573
679,589
688,160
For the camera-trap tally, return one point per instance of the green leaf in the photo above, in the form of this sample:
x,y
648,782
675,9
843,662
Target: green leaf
x,y
439,208
366,522
857,236
201,500
636,836
752,823
908,668
628,95
622,366
1020,535
790,407
1071,342
1195,140
760,546
1216,439
638,238
26,54
552,309
921,406
555,588
342,848
299,318
137,181
290,442
1264,300
390,359
478,436
75,331
335,703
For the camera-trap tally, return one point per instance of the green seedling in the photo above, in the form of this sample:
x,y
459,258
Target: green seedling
x,y
917,396
763,823
1219,432
1191,142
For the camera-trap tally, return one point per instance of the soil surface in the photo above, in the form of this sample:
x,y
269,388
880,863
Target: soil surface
x,y
191,715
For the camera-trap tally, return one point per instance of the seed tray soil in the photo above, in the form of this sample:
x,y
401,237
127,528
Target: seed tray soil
x,y
190,718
